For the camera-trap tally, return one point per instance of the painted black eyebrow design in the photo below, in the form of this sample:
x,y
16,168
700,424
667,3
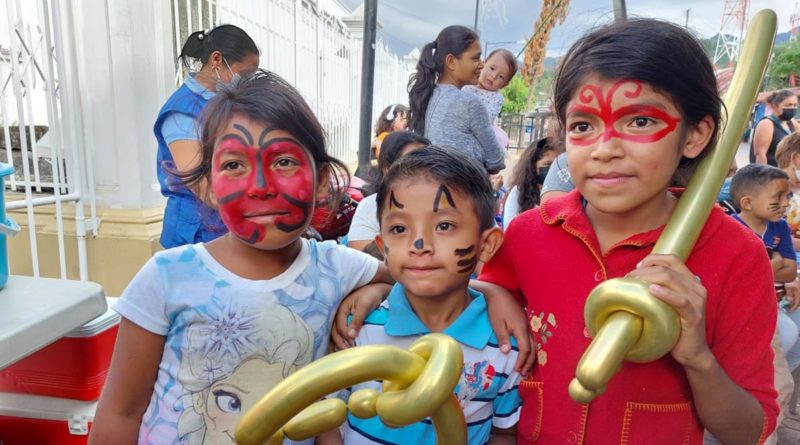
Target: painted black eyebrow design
x,y
393,201
246,134
443,191
263,136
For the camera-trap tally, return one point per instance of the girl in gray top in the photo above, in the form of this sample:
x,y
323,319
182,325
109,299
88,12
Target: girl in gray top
x,y
440,110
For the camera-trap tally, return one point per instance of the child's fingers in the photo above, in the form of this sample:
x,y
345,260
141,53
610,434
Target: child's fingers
x,y
359,313
525,357
528,365
340,328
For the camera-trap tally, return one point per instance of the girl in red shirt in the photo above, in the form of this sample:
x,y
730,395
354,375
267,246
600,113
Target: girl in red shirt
x,y
638,107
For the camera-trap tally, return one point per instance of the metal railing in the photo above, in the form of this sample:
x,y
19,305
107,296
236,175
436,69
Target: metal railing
x,y
41,120
525,128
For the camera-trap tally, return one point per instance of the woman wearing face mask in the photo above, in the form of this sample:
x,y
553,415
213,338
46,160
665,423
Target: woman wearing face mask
x,y
529,175
771,129
224,52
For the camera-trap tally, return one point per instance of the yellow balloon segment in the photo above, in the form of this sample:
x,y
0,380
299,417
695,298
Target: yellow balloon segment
x,y
626,321
418,383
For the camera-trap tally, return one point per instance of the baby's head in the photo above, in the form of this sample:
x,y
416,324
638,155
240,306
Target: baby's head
x,y
500,67
761,191
436,212
263,154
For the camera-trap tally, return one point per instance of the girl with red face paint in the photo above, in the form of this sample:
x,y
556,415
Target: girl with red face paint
x,y
638,107
199,319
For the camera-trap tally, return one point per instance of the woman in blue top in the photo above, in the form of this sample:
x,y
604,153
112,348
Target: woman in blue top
x,y
223,52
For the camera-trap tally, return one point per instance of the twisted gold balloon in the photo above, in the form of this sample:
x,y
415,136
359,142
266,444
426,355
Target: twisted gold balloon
x,y
628,323
418,383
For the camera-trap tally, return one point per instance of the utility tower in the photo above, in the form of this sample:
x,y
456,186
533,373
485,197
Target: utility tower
x,y
795,21
731,32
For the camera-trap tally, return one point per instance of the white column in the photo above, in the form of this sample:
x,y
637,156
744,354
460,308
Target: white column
x,y
125,60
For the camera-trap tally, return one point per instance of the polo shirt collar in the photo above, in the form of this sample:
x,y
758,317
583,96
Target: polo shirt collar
x,y
471,328
569,212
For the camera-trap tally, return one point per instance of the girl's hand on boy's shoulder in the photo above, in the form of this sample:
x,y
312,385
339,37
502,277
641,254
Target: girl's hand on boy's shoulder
x,y
508,319
357,305
673,283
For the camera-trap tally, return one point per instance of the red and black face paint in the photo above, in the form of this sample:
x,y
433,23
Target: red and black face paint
x,y
611,117
469,259
271,184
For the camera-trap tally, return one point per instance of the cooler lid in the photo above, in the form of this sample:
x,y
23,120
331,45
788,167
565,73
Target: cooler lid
x,y
45,408
99,324
6,169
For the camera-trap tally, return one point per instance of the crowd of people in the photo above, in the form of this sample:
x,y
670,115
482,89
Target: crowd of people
x,y
242,297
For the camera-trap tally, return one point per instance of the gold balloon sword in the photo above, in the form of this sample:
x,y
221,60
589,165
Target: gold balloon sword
x,y
418,383
626,322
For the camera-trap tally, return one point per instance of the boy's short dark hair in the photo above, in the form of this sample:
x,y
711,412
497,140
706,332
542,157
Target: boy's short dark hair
x,y
450,167
751,178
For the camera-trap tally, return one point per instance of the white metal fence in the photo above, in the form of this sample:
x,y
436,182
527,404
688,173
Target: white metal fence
x,y
311,48
40,119
44,130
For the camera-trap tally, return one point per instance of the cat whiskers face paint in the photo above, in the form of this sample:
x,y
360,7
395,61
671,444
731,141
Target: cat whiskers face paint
x,y
262,188
468,259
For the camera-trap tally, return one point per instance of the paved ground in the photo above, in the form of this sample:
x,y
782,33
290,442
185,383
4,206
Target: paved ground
x,y
789,431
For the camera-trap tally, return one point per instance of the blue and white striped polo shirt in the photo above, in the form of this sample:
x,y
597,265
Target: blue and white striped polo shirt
x,y
487,389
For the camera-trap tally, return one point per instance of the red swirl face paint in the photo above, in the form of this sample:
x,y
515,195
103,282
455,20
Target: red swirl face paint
x,y
262,189
592,102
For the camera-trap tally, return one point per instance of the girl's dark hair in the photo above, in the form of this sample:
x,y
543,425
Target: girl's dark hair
x,y
450,168
384,123
453,40
266,98
658,53
508,58
230,40
779,96
525,177
391,149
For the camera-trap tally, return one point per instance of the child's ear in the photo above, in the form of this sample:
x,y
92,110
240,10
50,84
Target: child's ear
x,y
450,62
491,240
381,246
697,137
323,183
746,203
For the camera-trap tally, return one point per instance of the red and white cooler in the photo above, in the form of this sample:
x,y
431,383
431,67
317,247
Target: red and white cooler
x,y
73,367
36,420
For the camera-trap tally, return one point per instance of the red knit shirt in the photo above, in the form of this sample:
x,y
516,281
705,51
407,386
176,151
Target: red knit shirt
x,y
553,258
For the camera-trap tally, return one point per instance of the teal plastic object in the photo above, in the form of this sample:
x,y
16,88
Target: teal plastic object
x,y
7,226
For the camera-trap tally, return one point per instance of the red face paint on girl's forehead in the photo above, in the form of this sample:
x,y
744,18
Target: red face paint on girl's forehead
x,y
262,189
592,102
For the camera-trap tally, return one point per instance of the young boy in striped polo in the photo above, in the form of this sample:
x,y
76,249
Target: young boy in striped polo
x,y
436,211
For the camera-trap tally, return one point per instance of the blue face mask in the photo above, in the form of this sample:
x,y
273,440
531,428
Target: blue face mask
x,y
235,78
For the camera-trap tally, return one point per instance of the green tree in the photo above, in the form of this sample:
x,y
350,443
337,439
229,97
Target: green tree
x,y
515,95
785,62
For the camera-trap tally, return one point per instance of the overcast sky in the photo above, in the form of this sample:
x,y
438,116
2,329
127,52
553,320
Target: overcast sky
x,y
412,23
